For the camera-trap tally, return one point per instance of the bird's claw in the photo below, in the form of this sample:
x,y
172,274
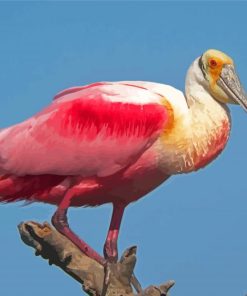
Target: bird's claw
x,y
121,270
107,276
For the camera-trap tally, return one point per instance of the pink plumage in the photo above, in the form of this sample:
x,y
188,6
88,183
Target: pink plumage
x,y
87,134
91,146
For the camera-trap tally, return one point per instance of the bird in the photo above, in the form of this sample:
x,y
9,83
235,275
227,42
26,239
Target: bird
x,y
115,142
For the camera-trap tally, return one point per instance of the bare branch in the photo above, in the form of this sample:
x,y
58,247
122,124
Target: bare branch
x,y
60,251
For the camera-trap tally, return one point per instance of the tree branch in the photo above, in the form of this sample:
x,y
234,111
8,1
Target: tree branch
x,y
61,252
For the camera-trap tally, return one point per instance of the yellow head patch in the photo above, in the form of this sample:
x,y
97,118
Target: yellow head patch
x,y
213,61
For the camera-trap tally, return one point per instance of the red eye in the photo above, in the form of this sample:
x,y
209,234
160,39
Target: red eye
x,y
213,63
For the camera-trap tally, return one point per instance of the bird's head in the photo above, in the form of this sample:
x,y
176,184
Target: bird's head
x,y
220,78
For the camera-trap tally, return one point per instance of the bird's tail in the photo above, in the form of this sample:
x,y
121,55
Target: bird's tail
x,y
10,190
16,188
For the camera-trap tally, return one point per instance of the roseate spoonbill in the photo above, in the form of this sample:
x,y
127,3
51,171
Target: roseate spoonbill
x,y
114,142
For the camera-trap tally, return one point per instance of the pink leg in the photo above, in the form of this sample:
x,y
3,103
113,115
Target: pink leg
x,y
110,247
60,222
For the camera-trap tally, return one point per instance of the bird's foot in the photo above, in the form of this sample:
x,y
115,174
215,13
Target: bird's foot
x,y
121,270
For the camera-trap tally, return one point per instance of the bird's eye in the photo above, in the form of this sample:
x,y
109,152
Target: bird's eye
x,y
213,63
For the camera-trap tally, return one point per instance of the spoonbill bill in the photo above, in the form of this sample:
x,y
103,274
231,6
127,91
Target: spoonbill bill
x,y
114,142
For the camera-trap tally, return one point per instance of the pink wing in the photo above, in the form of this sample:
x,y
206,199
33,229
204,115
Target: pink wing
x,y
95,130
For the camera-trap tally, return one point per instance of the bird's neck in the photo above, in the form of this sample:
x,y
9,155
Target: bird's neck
x,y
203,108
210,125
199,133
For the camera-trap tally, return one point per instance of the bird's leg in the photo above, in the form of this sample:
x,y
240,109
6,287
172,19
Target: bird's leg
x,y
110,247
60,222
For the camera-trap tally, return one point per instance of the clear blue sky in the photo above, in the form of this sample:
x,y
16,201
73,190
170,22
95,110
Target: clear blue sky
x,y
192,229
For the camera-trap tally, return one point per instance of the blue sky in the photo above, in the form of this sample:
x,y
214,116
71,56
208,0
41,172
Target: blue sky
x,y
191,229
